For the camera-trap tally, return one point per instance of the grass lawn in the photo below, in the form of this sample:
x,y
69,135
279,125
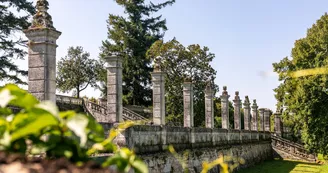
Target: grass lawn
x,y
285,166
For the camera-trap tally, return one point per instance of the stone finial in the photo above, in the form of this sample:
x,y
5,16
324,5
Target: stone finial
x,y
157,65
237,95
225,92
254,103
246,99
42,18
246,103
187,80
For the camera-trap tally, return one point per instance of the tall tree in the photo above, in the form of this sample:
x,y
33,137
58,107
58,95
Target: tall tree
x,y
302,95
180,63
130,38
14,15
76,71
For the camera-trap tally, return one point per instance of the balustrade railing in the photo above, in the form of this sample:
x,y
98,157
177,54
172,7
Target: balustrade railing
x,y
69,100
130,115
291,148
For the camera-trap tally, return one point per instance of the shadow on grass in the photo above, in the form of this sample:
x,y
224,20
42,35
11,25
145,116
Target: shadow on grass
x,y
283,166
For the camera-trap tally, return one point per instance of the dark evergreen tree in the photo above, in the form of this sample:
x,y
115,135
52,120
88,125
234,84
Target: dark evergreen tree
x,y
11,48
130,38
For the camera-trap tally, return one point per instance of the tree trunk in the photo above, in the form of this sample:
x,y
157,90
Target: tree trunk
x,y
78,92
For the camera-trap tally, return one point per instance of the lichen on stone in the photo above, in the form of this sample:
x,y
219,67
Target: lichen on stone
x,y
42,18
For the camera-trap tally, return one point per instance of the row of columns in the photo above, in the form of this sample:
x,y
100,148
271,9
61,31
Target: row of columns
x,y
42,37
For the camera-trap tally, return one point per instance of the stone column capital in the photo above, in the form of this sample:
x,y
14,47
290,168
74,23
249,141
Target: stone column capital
x,y
262,110
113,61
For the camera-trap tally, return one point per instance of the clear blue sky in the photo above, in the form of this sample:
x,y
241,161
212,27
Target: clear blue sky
x,y
247,36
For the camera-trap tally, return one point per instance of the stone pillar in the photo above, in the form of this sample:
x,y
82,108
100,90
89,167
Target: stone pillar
x,y
277,124
254,116
261,123
188,104
247,114
158,80
237,113
209,106
114,89
42,36
267,120
225,108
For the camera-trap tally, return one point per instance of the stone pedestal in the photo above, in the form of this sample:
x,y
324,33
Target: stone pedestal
x,y
247,114
261,122
277,124
225,108
158,80
237,113
254,116
267,120
42,46
114,89
209,107
188,104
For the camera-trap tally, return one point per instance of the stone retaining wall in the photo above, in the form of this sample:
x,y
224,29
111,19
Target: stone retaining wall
x,y
202,144
150,139
164,162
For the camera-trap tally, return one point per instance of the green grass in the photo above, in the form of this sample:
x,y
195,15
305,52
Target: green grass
x,y
286,166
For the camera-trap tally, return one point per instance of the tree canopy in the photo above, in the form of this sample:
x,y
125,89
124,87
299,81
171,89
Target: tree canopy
x,y
130,38
180,63
304,95
14,15
76,71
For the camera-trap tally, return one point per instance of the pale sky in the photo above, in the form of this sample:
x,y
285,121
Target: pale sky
x,y
246,36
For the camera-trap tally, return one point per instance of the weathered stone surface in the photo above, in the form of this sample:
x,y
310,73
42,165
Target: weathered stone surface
x,y
114,90
165,162
267,120
158,80
247,114
254,116
277,124
42,62
148,139
225,108
188,96
237,113
209,107
286,149
261,123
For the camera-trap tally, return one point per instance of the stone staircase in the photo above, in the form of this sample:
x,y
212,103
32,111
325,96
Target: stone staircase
x,y
99,112
287,149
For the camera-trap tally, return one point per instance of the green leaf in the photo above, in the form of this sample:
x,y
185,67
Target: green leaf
x,y
5,97
49,106
34,127
22,98
139,166
78,125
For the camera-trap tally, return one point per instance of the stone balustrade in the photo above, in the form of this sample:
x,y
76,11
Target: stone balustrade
x,y
69,100
149,139
290,150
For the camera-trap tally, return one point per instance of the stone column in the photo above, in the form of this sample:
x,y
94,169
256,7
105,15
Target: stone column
x,y
237,113
114,89
42,36
254,116
158,80
209,106
188,102
261,123
267,120
225,108
277,124
247,114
